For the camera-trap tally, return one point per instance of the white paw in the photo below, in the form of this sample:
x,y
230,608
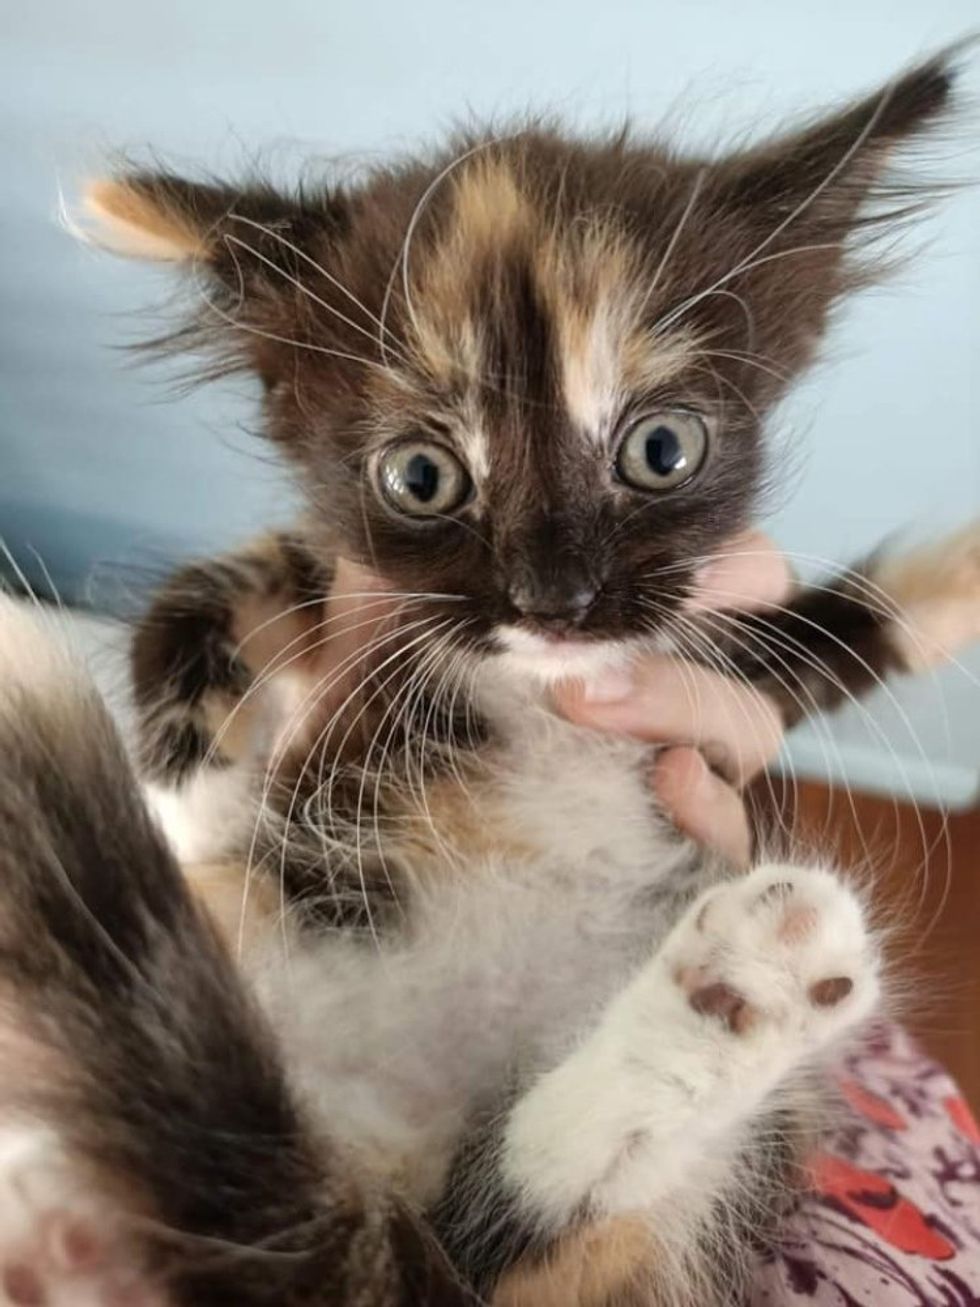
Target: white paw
x,y
60,1245
783,951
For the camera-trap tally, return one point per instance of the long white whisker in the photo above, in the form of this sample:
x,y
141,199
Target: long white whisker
x,y
318,267
927,848
284,742
279,662
751,360
307,345
323,737
305,290
675,235
416,686
751,260
403,649
376,596
401,259
716,657
665,323
874,597
809,707
426,727
897,707
394,706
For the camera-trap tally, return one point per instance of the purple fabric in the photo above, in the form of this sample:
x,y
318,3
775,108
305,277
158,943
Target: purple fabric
x,y
894,1216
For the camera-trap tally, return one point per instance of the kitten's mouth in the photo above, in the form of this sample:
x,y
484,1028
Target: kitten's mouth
x,y
557,639
553,655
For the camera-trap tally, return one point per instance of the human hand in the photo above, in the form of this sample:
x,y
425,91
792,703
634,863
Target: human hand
x,y
721,732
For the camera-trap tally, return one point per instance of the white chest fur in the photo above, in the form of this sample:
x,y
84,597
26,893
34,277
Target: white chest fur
x,y
500,964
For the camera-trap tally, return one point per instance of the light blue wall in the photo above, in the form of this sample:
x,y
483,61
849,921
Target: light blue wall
x,y
95,465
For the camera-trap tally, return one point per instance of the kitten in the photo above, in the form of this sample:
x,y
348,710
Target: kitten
x,y
436,1008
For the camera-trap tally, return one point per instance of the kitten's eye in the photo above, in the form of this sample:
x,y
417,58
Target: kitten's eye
x,y
422,479
662,451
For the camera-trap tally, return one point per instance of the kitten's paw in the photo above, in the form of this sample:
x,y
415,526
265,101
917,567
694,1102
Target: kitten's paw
x,y
60,1245
783,949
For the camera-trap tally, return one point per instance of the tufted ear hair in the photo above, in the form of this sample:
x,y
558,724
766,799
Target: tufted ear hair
x,y
250,244
827,172
803,211
153,217
166,218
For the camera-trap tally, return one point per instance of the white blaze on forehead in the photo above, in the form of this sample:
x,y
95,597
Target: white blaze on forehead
x,y
606,360
591,365
471,429
475,449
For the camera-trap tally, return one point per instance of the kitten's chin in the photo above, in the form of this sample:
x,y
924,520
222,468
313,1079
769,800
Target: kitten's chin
x,y
536,657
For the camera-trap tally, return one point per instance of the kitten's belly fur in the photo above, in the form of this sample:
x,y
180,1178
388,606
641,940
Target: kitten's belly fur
x,y
504,959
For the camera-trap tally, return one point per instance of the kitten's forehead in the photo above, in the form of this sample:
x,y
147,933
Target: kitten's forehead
x,y
545,311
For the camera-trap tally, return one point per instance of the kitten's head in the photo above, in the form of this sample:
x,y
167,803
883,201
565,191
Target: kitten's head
x,y
531,372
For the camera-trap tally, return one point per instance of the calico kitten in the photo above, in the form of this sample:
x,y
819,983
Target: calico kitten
x,y
481,1026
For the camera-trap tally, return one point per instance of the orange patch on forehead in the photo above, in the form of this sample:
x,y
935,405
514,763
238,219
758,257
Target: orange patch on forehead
x,y
650,360
489,216
588,276
490,207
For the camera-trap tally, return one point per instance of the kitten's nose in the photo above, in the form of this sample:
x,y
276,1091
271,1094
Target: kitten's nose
x,y
556,602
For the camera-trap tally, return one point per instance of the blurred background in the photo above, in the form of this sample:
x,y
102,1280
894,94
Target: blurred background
x,y
107,476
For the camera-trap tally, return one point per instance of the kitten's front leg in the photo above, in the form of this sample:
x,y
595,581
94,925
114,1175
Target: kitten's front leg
x,y
756,979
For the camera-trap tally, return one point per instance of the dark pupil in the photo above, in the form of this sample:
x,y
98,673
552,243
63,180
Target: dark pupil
x,y
422,477
663,451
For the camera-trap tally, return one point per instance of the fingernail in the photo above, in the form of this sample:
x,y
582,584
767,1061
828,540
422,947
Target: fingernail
x,y
719,758
611,686
663,773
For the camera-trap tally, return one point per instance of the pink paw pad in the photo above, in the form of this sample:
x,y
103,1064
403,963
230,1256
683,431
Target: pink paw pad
x,y
790,947
23,1286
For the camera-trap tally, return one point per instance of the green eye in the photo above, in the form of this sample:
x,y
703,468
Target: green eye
x,y
422,479
662,451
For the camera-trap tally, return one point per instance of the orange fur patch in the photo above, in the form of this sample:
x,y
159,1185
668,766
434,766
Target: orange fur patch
x,y
490,207
593,1267
937,591
490,214
588,275
129,222
244,910
454,823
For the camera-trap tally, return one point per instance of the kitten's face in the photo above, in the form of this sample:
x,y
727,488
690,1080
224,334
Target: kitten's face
x,y
530,441
529,375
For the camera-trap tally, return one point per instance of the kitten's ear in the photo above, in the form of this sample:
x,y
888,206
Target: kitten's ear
x,y
153,216
166,218
825,173
804,210
250,243
804,213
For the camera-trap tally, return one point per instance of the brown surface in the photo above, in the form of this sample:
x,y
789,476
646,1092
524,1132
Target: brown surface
x,y
925,876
